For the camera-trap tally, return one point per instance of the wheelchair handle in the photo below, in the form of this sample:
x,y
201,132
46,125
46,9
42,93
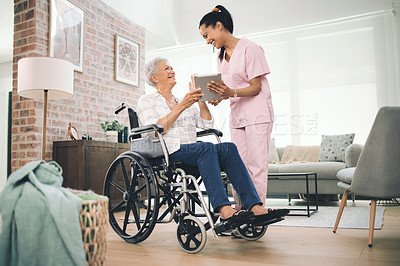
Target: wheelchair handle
x,y
120,108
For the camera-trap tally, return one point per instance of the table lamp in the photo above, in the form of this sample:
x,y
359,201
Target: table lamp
x,y
45,78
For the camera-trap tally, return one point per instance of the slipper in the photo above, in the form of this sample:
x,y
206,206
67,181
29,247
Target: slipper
x,y
280,212
238,217
271,215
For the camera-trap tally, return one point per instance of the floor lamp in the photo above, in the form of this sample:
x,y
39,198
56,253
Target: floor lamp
x,y
45,78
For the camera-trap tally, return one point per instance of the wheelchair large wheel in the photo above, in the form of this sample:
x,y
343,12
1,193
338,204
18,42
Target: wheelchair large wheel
x,y
251,232
191,234
133,197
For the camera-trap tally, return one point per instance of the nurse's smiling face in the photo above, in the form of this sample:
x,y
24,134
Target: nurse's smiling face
x,y
213,35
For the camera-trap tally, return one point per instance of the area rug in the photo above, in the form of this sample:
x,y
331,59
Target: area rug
x,y
352,218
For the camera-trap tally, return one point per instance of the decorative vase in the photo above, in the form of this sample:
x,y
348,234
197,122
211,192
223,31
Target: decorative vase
x,y
112,136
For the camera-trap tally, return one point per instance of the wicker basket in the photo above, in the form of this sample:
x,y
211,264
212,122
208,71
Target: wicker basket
x,y
94,219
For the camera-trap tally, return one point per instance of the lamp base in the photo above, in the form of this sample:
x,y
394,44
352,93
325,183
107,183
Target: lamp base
x,y
44,125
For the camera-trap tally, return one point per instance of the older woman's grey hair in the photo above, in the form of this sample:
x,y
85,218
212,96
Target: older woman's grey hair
x,y
151,68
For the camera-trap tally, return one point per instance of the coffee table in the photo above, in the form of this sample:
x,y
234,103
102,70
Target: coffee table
x,y
299,176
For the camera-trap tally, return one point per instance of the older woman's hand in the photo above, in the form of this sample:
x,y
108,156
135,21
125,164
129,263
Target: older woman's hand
x,y
191,97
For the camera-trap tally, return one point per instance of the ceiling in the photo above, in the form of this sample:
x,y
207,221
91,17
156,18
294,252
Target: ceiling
x,y
175,22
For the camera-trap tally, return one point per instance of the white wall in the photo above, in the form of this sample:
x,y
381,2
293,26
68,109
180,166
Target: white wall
x,y
6,30
5,88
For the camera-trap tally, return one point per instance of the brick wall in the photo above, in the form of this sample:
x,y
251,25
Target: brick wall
x,y
96,93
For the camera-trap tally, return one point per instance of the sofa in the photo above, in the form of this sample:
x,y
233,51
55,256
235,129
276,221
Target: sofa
x,y
326,171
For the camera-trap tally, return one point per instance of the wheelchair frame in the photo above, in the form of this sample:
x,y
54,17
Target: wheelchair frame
x,y
144,190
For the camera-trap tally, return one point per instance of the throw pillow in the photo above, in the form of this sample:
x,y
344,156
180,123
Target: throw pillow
x,y
333,147
293,153
273,156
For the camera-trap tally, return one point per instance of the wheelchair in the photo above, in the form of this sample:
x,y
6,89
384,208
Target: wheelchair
x,y
145,188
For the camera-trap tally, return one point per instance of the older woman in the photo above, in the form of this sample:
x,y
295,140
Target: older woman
x,y
180,118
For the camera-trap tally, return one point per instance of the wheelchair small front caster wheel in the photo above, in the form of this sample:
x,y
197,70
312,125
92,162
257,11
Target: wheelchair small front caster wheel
x,y
191,234
251,232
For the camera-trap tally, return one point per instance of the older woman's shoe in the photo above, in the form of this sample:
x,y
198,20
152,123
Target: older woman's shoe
x,y
273,215
238,218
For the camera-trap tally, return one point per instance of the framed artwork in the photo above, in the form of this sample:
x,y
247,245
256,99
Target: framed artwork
x,y
126,61
66,32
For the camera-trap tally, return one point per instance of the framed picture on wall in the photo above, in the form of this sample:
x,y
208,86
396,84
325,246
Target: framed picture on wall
x,y
66,32
126,61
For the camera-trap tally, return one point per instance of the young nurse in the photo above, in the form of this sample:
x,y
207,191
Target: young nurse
x,y
243,68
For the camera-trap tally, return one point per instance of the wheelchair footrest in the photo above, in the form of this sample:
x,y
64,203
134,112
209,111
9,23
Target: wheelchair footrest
x,y
226,225
221,227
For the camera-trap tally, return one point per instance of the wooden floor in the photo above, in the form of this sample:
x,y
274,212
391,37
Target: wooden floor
x,y
280,246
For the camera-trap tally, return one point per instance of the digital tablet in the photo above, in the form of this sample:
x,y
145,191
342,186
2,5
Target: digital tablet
x,y
200,81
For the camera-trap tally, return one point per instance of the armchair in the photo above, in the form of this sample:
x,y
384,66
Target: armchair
x,y
377,175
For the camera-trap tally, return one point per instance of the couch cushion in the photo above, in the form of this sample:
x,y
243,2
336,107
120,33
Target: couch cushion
x,y
294,153
324,170
273,156
273,168
346,175
333,147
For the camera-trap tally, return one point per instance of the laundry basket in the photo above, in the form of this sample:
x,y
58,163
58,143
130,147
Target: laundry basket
x,y
94,220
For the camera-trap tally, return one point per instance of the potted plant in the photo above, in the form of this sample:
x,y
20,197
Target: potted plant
x,y
112,128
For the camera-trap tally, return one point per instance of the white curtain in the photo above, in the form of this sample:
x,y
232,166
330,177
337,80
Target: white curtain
x,y
330,78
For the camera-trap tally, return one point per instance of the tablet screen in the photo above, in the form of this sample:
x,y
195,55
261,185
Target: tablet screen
x,y
201,81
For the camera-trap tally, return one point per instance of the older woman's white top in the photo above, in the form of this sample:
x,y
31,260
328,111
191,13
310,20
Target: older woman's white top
x,y
152,107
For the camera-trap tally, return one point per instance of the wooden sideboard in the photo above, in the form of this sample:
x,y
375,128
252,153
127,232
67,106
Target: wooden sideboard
x,y
85,162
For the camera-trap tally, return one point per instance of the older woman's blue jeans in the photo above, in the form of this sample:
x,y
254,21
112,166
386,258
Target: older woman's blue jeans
x,y
211,159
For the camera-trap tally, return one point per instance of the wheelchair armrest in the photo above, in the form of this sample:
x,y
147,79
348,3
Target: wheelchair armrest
x,y
211,131
146,129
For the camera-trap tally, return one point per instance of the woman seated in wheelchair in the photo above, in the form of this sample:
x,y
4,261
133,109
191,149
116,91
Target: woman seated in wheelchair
x,y
180,118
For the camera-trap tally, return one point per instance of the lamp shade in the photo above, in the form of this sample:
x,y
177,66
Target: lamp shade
x,y
36,74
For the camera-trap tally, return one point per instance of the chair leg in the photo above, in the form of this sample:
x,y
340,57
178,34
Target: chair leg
x,y
339,215
371,221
